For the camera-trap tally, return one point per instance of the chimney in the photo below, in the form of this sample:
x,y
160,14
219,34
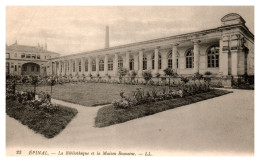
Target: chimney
x,y
107,37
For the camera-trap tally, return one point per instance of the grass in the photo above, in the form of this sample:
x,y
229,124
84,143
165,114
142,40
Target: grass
x,y
88,94
109,115
48,124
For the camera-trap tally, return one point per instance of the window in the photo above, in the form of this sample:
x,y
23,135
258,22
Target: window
x,y
101,65
170,59
144,63
93,65
190,59
15,68
23,55
32,68
7,68
110,64
24,68
79,66
120,62
74,66
213,57
38,68
28,56
159,61
86,65
33,56
131,64
7,55
39,57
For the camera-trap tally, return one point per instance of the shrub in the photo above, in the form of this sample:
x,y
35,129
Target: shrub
x,y
207,73
147,75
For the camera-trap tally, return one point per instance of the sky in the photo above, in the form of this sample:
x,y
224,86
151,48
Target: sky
x,y
70,30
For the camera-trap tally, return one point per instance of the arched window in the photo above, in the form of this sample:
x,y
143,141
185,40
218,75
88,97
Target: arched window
x,y
120,62
93,65
110,64
144,63
170,59
74,66
159,61
213,56
101,65
86,65
131,63
79,66
190,58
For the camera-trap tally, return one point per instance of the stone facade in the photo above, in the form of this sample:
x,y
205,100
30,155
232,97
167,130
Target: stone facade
x,y
227,50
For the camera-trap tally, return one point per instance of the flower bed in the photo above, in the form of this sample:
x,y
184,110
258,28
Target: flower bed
x,y
39,114
110,115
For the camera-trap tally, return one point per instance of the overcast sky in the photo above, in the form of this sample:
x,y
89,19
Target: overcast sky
x,y
69,30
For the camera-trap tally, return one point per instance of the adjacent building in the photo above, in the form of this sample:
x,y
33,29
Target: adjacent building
x,y
28,60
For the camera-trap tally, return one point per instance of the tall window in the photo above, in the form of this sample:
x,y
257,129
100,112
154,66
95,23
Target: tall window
x,y
159,61
170,59
32,68
190,59
144,63
93,65
120,62
79,66
131,64
101,65
213,57
7,68
39,57
24,68
110,64
15,68
74,66
86,65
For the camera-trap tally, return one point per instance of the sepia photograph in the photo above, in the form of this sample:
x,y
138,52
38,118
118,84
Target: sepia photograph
x,y
129,81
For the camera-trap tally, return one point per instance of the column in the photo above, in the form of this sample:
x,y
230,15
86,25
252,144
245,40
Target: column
x,y
156,53
59,68
149,62
174,57
196,51
135,62
141,55
106,64
116,64
71,65
127,59
97,65
89,65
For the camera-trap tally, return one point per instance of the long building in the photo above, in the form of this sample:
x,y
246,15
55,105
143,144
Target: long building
x,y
227,50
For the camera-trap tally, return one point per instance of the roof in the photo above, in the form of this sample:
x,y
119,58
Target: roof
x,y
25,48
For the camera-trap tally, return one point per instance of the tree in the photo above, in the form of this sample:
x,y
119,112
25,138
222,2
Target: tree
x,y
34,82
170,73
122,73
133,75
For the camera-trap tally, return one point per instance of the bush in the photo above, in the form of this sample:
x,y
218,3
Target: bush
x,y
147,76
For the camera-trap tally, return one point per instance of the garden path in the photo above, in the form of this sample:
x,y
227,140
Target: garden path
x,y
219,126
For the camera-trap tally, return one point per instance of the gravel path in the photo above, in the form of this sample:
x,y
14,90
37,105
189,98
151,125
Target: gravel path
x,y
218,126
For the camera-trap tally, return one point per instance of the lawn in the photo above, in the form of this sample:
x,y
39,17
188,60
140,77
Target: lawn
x,y
109,115
89,94
48,124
